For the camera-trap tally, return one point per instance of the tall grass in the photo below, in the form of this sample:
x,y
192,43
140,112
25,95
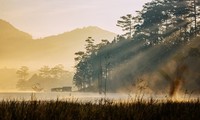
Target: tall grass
x,y
103,110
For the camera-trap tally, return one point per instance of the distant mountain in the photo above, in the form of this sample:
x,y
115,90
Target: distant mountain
x,y
18,48
8,32
11,40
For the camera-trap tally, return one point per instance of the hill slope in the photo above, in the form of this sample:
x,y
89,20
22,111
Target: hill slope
x,y
18,48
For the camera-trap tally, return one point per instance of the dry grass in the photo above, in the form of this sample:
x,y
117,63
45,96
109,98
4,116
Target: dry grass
x,y
102,110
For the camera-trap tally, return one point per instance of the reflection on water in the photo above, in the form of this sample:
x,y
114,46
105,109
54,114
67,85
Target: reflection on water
x,y
86,96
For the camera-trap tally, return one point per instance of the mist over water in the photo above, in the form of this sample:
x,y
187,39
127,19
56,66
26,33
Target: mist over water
x,y
91,97
176,73
140,67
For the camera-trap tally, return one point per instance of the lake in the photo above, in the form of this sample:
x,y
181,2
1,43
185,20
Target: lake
x,y
84,96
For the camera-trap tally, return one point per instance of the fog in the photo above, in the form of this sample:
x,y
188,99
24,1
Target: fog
x,y
170,73
10,79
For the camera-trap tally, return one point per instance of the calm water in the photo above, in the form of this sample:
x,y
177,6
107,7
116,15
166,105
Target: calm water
x,y
83,97
60,96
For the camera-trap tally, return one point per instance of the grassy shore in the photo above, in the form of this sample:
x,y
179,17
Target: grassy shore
x,y
102,110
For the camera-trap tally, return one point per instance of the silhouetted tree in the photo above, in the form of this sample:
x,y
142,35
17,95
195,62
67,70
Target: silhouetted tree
x,y
57,71
45,72
160,28
23,75
127,25
23,72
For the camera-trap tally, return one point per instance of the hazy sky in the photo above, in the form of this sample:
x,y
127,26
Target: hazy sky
x,y
47,17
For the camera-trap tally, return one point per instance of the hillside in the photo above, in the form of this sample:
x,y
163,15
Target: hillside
x,y
17,48
8,32
12,41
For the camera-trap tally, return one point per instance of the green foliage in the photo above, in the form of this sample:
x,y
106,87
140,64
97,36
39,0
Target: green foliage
x,y
160,30
127,25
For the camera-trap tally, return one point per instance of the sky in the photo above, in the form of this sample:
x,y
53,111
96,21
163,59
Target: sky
x,y
42,18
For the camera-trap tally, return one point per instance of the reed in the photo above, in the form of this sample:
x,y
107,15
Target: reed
x,y
101,110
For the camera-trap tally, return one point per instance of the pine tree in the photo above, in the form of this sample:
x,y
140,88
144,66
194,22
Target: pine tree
x,y
127,25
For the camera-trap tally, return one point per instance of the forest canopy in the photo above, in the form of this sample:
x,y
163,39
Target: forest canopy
x,y
156,43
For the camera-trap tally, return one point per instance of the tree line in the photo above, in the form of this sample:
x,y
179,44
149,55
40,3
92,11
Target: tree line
x,y
149,38
44,79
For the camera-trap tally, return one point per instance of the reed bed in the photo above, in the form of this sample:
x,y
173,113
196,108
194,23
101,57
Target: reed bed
x,y
101,110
